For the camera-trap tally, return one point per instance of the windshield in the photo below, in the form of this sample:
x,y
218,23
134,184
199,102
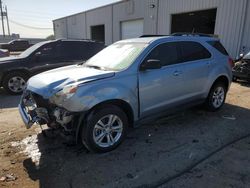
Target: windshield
x,y
247,56
31,49
116,57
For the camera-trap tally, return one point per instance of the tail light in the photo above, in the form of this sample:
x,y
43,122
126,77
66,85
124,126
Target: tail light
x,y
231,62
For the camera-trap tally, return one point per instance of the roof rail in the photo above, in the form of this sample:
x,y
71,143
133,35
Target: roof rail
x,y
143,36
67,39
193,34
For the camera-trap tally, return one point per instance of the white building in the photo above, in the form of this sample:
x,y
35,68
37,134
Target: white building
x,y
229,19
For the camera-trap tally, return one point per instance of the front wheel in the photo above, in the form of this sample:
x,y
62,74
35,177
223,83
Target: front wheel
x,y
216,97
105,129
15,82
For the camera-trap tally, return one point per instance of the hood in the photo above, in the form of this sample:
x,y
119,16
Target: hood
x,y
50,82
10,59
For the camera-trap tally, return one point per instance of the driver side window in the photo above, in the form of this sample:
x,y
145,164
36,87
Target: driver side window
x,y
167,53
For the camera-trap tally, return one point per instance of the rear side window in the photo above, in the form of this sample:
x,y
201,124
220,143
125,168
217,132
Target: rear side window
x,y
167,53
79,50
217,45
191,51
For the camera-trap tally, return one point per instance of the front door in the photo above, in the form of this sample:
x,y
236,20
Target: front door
x,y
161,88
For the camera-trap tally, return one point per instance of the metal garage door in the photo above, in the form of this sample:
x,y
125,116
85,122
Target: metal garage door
x,y
131,29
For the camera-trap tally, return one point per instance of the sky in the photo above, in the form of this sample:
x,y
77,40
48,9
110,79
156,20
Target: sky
x,y
33,18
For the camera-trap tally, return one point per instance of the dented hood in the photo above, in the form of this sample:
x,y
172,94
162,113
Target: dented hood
x,y
50,82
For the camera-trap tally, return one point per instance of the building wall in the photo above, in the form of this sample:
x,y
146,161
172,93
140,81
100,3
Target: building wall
x,y
60,28
245,41
100,16
133,10
76,27
232,24
228,18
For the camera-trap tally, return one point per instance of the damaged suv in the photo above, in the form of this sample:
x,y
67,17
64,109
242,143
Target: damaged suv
x,y
129,81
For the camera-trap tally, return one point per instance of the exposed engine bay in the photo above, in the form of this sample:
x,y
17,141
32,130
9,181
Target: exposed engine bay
x,y
41,111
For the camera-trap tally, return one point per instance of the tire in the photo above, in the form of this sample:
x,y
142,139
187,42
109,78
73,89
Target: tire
x,y
216,97
97,133
15,82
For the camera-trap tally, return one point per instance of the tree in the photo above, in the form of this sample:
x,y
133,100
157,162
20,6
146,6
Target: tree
x,y
50,37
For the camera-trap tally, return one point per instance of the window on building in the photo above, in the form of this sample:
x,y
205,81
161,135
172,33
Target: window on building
x,y
98,33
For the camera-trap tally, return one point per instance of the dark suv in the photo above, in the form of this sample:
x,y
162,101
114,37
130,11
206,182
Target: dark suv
x,y
15,71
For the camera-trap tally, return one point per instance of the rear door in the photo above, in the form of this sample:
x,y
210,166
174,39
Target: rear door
x,y
161,88
196,60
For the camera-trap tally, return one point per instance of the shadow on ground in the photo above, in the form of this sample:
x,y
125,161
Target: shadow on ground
x,y
7,100
243,83
152,155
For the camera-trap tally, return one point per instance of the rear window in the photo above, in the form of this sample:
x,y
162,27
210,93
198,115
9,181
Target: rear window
x,y
191,51
217,45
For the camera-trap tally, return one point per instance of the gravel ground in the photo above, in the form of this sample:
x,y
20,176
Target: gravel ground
x,y
193,148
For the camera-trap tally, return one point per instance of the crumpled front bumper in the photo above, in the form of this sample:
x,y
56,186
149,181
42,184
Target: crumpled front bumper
x,y
27,108
27,119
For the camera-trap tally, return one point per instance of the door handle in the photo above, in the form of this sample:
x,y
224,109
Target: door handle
x,y
177,73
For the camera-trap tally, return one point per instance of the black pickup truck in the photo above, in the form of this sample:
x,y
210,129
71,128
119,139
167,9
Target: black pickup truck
x,y
16,45
43,56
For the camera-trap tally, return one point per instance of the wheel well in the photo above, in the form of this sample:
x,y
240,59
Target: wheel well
x,y
18,70
223,79
121,104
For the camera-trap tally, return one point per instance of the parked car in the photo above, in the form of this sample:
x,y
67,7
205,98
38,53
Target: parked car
x,y
16,45
241,70
128,82
15,71
4,53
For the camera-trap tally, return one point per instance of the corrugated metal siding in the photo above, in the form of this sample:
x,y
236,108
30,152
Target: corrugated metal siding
x,y
228,19
246,30
60,28
76,26
102,16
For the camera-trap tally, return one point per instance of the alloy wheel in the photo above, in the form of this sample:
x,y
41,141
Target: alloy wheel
x,y
108,130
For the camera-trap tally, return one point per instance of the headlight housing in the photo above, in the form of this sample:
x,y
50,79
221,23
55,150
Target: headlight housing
x,y
67,91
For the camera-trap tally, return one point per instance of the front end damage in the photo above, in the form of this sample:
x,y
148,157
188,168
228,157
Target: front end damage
x,y
34,109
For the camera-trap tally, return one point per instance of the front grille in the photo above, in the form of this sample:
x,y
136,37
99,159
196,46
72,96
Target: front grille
x,y
40,101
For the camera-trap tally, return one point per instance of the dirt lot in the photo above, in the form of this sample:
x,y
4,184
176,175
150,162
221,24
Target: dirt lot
x,y
194,148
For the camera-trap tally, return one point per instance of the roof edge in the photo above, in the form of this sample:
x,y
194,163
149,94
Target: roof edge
x,y
89,10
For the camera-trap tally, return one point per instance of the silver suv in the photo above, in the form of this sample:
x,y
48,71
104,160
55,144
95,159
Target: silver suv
x,y
129,81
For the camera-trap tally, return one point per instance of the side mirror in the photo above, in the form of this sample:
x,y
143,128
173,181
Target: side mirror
x,y
151,64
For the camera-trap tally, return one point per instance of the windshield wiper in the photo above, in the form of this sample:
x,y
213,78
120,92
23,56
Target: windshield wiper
x,y
81,63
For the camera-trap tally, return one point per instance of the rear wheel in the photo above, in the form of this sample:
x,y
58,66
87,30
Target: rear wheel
x,y
216,97
105,129
15,82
